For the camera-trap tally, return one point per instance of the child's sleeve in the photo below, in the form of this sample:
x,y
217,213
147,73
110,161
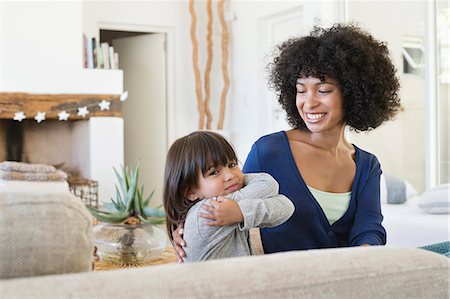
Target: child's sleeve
x,y
257,185
260,203
267,212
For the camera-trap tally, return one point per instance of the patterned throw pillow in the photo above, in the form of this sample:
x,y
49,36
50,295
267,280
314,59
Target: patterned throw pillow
x,y
441,248
43,234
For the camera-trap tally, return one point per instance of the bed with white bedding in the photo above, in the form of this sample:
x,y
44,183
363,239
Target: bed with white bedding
x,y
408,225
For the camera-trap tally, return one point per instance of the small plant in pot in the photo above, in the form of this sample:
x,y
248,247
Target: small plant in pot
x,y
127,234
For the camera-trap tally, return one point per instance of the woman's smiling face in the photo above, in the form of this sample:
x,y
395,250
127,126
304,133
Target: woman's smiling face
x,y
319,103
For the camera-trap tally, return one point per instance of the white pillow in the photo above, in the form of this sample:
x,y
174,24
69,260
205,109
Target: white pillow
x,y
436,200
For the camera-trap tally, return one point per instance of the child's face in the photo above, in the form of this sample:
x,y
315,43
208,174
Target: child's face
x,y
217,181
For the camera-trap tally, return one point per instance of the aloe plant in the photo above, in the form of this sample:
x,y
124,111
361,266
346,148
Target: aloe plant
x,y
129,207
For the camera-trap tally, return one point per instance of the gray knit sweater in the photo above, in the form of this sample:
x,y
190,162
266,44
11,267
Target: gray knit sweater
x,y
261,206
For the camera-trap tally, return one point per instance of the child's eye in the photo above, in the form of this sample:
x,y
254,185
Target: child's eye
x,y
232,164
301,91
213,172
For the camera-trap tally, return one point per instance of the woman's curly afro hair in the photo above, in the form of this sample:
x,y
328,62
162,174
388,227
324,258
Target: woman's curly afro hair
x,y
359,63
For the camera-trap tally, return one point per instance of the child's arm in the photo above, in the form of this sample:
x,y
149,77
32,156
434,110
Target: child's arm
x,y
224,211
258,204
268,212
257,185
280,209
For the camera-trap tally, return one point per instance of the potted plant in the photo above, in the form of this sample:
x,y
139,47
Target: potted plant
x,y
127,233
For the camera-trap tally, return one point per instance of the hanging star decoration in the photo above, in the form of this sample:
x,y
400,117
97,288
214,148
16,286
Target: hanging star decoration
x,y
63,115
83,111
104,105
40,116
19,116
124,96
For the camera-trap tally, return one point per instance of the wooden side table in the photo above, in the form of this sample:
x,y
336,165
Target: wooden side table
x,y
167,257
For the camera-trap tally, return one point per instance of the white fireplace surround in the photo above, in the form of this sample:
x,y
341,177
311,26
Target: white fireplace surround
x,y
98,146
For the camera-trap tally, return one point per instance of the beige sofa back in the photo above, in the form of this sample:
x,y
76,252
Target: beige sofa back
x,y
363,272
44,234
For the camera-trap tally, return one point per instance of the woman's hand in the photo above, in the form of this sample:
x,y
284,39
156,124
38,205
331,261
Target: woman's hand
x,y
223,211
178,242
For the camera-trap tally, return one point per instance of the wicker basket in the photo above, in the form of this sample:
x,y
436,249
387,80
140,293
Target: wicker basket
x,y
85,189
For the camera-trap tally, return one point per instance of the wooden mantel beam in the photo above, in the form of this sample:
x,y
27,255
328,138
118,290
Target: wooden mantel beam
x,y
52,104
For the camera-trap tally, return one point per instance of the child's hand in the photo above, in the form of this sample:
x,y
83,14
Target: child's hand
x,y
223,211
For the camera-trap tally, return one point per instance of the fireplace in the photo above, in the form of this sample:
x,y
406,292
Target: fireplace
x,y
88,147
51,142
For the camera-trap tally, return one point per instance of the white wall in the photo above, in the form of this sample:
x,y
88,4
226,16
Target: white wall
x,y
41,50
398,144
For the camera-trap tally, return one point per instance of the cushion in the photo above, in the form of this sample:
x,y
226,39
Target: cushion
x,y
436,200
43,234
441,248
356,272
394,190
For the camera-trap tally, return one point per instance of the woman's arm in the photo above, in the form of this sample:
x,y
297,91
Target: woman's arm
x,y
367,228
178,242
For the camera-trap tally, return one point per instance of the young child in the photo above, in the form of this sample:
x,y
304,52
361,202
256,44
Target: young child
x,y
205,189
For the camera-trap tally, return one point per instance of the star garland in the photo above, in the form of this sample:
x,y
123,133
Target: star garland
x,y
65,115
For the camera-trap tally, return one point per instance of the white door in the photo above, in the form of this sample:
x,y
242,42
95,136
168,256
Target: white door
x,y
279,27
143,61
275,29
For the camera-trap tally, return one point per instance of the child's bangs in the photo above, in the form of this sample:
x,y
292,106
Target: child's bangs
x,y
215,152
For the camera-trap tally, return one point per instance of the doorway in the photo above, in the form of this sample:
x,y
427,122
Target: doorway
x,y
144,60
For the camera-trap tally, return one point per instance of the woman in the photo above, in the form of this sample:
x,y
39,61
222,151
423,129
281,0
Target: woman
x,y
329,80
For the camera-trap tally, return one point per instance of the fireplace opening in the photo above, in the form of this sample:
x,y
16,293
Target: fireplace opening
x,y
14,140
51,142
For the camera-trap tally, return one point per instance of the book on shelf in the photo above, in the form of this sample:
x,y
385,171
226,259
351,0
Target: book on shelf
x,y
112,63
85,64
100,61
116,60
89,54
99,55
105,52
94,53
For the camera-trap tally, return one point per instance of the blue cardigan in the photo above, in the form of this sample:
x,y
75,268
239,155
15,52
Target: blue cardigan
x,y
308,228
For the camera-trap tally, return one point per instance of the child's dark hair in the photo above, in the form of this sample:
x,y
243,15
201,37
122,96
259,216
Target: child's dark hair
x,y
188,157
359,63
